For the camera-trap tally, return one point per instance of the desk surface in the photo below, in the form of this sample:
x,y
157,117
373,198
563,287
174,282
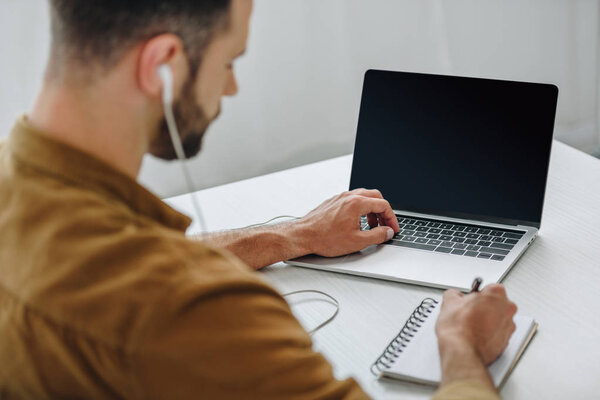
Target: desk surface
x,y
557,281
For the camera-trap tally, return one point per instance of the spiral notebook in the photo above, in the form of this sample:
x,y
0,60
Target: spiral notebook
x,y
413,354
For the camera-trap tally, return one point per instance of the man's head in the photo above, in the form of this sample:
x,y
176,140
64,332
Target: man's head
x,y
92,41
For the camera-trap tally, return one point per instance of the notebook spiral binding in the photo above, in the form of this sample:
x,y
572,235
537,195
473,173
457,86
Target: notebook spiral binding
x,y
397,345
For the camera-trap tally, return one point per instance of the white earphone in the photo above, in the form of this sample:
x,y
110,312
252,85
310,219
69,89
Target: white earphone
x,y
166,76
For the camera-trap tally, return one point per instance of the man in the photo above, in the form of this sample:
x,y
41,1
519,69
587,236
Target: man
x,y
101,293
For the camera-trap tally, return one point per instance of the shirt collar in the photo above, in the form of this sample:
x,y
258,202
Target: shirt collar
x,y
66,163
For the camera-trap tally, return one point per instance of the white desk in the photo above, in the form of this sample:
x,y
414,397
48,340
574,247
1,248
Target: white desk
x,y
557,281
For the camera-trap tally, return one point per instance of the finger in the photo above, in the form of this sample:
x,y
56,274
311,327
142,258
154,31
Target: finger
x,y
512,308
372,218
451,294
380,219
495,289
509,332
377,235
373,193
379,206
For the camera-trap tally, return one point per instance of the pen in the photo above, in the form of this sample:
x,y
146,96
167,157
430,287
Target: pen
x,y
475,285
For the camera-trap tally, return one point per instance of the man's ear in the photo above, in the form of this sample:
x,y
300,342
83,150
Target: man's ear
x,y
162,49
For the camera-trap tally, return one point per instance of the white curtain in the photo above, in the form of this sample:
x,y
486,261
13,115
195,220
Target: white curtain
x,y
301,79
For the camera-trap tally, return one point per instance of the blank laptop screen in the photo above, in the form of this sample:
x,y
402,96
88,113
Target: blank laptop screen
x,y
453,146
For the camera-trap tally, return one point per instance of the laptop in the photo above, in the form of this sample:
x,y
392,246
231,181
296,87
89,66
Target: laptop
x,y
464,164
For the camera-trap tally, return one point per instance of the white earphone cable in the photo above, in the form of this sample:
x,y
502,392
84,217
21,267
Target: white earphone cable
x,y
328,320
167,78
271,220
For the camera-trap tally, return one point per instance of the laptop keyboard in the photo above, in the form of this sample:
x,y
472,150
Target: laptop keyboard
x,y
452,238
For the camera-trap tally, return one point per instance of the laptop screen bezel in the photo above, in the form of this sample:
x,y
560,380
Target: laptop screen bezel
x,y
440,213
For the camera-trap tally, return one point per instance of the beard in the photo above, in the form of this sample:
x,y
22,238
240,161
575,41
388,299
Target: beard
x,y
192,124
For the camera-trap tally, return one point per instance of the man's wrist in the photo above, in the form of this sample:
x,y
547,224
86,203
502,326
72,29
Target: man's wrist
x,y
302,237
455,339
461,361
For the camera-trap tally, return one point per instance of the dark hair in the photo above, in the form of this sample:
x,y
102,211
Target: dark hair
x,y
97,33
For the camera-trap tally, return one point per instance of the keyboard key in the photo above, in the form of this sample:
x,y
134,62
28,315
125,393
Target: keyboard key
x,y
502,246
408,221
458,240
483,231
443,249
422,229
445,237
435,230
431,236
447,232
408,232
459,234
470,229
484,255
460,246
458,228
421,240
496,233
421,223
486,238
511,241
513,235
497,258
448,244
497,239
433,224
408,239
473,236
471,241
446,226
493,251
484,243
411,227
413,245
420,234
458,252
434,242
472,247
471,253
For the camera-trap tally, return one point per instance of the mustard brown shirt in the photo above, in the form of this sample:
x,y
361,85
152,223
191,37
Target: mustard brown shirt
x,y
103,296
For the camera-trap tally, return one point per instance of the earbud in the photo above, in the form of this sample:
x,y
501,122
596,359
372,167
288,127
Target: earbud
x,y
166,76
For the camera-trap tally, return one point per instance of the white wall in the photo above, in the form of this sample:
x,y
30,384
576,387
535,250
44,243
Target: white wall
x,y
24,28
301,79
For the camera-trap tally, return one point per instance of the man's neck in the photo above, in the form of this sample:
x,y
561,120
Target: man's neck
x,y
97,121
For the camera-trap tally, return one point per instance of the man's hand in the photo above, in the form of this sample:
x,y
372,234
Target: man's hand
x,y
333,228
473,330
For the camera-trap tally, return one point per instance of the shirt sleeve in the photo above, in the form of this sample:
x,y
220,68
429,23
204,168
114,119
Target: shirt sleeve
x,y
231,340
466,390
